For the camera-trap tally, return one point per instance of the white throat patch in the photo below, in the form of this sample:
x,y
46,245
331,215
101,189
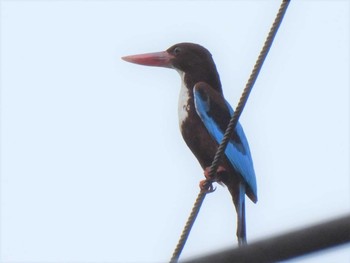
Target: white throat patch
x,y
183,106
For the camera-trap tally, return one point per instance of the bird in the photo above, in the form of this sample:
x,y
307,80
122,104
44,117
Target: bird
x,y
204,115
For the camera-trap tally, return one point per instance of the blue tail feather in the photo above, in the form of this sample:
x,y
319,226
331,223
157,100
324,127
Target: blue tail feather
x,y
240,207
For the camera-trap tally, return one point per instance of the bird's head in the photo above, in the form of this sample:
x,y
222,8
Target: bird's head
x,y
192,59
185,57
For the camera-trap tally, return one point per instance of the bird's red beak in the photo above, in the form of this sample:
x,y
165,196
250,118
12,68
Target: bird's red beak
x,y
157,59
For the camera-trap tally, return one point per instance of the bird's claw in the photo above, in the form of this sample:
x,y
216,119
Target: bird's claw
x,y
216,177
207,186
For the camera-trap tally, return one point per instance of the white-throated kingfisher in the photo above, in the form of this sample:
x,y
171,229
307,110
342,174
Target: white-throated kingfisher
x,y
203,117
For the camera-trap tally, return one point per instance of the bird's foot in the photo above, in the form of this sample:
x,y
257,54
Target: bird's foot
x,y
207,184
217,176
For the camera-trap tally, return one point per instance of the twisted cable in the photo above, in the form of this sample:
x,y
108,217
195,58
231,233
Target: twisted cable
x,y
230,128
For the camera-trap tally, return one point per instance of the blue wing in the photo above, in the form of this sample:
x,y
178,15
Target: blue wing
x,y
214,110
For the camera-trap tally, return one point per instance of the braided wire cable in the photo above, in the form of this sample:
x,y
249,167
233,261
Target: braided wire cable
x,y
230,128
249,86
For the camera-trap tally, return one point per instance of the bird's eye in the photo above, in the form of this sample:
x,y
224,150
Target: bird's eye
x,y
177,50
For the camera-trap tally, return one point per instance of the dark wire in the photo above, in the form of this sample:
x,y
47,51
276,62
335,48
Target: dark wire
x,y
230,128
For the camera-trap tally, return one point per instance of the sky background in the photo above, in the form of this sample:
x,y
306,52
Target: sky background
x,y
93,166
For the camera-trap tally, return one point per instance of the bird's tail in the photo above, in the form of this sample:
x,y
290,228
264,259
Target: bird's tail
x,y
239,201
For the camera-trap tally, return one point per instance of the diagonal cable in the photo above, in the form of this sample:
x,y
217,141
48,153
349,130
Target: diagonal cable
x,y
230,128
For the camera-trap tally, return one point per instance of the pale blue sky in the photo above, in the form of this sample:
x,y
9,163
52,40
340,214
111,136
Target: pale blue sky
x,y
93,166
